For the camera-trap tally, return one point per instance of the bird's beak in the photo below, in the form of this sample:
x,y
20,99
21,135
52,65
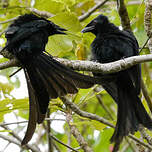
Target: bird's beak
x,y
60,30
87,29
90,27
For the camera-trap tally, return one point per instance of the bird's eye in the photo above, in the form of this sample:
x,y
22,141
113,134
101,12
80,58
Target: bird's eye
x,y
94,22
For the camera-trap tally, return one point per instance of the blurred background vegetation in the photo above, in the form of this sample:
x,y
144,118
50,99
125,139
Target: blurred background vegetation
x,y
75,45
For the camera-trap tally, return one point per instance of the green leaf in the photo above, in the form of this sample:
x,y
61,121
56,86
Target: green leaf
x,y
68,21
6,88
52,6
64,43
103,141
58,44
5,131
8,105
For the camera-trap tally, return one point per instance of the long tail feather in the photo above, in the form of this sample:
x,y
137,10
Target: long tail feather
x,y
80,80
34,113
58,81
131,112
39,88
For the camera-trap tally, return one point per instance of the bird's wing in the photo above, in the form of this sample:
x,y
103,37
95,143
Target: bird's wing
x,y
135,71
128,47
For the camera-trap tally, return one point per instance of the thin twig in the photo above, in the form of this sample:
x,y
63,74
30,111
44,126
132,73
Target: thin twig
x,y
145,135
104,107
33,148
57,140
10,139
48,130
6,146
140,142
9,20
20,122
12,133
85,114
75,132
68,132
93,9
145,43
56,147
146,95
130,144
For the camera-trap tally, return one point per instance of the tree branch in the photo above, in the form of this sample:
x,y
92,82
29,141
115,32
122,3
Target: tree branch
x,y
93,9
145,135
57,140
44,14
8,64
147,22
75,132
10,139
93,66
20,122
33,148
76,109
9,20
107,67
91,116
125,21
98,96
146,95
48,131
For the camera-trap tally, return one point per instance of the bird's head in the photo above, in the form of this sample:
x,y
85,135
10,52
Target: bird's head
x,y
29,20
97,25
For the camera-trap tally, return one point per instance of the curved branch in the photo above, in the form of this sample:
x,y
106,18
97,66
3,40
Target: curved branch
x,y
93,9
107,67
93,66
8,64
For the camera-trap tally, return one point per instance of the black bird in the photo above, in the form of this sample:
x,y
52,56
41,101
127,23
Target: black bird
x,y
112,44
46,78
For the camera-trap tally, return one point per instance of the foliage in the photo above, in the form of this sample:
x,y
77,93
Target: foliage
x,y
72,46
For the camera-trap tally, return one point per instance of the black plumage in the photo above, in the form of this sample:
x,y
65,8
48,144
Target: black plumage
x,y
46,78
112,44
